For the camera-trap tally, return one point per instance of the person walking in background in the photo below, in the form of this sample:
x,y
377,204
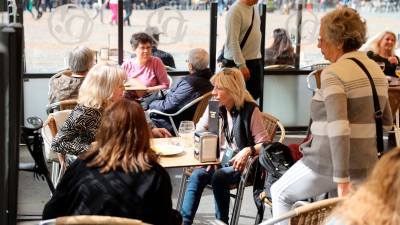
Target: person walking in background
x,y
381,49
113,4
281,51
377,200
243,43
128,11
119,175
343,147
65,84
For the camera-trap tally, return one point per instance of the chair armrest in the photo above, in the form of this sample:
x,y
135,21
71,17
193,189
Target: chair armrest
x,y
159,112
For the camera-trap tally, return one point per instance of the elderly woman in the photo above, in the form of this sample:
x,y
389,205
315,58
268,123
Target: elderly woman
x,y
377,200
382,50
281,51
119,176
149,70
242,134
65,84
343,148
103,84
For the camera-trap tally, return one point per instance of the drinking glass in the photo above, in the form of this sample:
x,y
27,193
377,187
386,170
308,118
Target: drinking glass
x,y
186,132
382,65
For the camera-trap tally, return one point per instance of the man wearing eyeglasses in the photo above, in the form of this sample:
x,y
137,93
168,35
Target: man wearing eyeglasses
x,y
196,84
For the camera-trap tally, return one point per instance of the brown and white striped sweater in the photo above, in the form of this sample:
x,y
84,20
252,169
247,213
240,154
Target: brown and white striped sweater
x,y
344,136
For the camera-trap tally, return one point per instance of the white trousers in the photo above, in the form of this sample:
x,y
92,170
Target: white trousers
x,y
298,183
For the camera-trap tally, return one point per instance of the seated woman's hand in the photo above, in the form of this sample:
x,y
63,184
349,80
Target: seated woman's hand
x,y
240,159
393,60
160,132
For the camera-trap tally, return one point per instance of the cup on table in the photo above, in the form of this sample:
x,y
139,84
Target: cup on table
x,y
186,132
382,65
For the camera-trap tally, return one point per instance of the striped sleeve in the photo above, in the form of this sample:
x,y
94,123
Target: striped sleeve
x,y
338,128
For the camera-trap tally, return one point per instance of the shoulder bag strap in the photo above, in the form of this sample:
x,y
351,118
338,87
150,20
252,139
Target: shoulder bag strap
x,y
242,43
378,111
246,35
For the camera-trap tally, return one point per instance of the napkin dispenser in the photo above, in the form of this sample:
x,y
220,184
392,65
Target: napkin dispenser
x,y
205,146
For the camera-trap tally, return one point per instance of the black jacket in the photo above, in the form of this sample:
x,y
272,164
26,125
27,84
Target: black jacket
x,y
185,91
85,191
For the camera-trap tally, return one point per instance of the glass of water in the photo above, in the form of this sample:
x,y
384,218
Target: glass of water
x,y
186,132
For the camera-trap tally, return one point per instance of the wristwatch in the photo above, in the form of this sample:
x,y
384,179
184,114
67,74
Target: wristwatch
x,y
253,150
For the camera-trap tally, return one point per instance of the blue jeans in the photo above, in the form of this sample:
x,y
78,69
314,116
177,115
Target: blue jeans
x,y
220,180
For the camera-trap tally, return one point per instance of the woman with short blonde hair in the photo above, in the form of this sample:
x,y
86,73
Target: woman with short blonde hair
x,y
232,80
98,88
242,135
119,175
103,84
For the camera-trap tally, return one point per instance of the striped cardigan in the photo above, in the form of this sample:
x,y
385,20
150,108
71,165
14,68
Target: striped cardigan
x,y
344,136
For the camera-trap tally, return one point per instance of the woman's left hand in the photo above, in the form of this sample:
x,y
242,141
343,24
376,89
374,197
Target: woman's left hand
x,y
160,132
240,159
393,60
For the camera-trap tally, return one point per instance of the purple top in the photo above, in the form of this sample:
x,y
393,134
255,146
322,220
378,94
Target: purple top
x,y
151,74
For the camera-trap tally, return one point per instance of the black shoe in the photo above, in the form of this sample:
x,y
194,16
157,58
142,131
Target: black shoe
x,y
40,14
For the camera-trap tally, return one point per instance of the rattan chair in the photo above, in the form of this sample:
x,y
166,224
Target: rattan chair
x,y
201,102
310,214
61,105
50,128
87,220
272,125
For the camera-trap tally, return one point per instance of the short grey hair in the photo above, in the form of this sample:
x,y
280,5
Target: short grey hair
x,y
199,59
344,25
81,59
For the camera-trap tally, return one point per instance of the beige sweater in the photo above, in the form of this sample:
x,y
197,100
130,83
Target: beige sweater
x,y
343,128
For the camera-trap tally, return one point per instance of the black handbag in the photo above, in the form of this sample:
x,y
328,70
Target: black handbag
x,y
378,111
231,63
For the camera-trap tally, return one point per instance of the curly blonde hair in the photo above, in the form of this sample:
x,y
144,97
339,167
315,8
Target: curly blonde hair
x,y
377,201
345,26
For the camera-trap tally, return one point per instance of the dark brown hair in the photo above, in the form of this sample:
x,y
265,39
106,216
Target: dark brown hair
x,y
140,37
123,140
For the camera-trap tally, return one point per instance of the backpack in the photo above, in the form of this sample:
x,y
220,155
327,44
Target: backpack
x,y
276,159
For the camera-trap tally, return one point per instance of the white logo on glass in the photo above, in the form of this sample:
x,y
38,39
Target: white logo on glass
x,y
70,24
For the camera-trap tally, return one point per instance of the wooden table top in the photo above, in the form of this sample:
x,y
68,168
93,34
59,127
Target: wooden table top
x,y
184,159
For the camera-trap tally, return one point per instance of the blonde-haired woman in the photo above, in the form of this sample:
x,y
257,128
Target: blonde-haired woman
x,y
382,49
103,84
242,134
119,176
377,200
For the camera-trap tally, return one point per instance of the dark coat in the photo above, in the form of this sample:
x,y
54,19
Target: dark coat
x,y
85,191
185,91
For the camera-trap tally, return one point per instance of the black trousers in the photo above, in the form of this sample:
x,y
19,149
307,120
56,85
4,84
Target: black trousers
x,y
253,84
